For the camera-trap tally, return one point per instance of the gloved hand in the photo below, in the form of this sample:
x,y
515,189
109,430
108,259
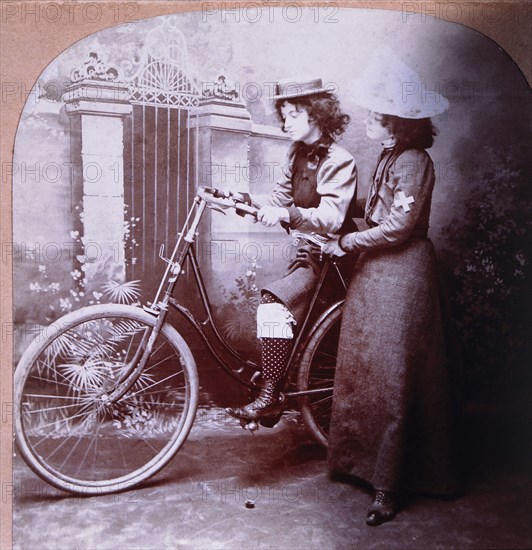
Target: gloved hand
x,y
271,215
332,247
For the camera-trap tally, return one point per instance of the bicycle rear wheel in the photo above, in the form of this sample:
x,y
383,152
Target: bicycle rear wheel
x,y
68,430
316,372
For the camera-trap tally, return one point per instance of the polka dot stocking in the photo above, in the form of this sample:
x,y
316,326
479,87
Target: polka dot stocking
x,y
275,351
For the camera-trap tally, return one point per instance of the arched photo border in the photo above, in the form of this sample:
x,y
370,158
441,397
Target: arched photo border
x,y
28,45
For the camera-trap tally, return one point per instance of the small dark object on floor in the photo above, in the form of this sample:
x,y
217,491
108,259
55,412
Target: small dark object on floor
x,y
250,504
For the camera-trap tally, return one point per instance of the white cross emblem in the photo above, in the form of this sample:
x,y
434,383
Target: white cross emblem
x,y
404,201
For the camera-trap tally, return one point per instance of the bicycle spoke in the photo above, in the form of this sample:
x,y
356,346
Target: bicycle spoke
x,y
94,456
41,426
77,438
318,401
153,385
34,411
56,382
151,367
71,451
317,372
48,396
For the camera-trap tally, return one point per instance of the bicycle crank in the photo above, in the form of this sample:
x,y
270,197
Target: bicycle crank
x,y
267,422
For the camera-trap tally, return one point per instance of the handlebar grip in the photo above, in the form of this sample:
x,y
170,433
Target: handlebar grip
x,y
216,193
242,209
240,204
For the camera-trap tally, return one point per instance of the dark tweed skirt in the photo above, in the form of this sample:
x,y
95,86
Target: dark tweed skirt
x,y
297,286
394,417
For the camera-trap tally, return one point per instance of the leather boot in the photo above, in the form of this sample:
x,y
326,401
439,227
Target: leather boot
x,y
266,404
382,509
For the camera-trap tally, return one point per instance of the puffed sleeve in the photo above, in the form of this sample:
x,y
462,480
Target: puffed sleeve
x,y
410,190
336,185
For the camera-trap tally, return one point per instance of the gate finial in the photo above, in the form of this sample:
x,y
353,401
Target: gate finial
x,y
94,69
219,90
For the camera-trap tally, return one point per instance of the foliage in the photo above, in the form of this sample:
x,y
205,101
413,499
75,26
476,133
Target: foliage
x,y
491,295
239,310
52,297
90,359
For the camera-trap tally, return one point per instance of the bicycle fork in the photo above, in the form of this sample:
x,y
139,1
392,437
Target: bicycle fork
x,y
159,308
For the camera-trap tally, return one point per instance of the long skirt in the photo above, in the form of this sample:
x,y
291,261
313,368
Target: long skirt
x,y
395,420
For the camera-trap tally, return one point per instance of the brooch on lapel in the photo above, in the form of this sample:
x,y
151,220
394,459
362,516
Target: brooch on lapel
x,y
315,155
313,161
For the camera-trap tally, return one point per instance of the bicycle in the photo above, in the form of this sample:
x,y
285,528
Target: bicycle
x,y
106,395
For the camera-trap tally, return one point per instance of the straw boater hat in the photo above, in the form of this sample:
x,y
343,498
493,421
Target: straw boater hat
x,y
289,88
390,87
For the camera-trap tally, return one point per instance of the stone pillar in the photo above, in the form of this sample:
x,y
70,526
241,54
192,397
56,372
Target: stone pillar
x,y
223,129
97,109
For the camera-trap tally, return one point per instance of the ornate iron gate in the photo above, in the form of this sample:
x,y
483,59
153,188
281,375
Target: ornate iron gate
x,y
159,151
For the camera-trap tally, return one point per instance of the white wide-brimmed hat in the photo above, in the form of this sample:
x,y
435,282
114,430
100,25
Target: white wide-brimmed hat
x,y
290,88
390,87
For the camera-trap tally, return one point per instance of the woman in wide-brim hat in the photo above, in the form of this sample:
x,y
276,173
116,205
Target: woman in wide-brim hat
x,y
394,421
315,196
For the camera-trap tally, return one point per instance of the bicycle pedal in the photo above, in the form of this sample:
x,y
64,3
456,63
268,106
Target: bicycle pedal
x,y
249,425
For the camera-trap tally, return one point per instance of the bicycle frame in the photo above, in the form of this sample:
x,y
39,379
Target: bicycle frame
x,y
184,251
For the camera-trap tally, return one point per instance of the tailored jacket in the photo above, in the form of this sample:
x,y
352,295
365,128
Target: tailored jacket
x,y
318,188
398,203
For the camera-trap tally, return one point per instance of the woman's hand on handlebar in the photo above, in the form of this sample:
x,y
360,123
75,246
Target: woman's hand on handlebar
x,y
271,215
332,247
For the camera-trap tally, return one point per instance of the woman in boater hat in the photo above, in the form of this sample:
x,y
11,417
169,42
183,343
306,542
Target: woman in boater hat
x,y
393,421
316,196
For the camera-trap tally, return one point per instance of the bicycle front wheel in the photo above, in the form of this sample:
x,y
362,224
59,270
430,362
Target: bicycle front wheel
x,y
316,372
68,429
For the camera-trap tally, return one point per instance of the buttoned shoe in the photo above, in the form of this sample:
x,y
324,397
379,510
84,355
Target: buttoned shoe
x,y
382,509
267,404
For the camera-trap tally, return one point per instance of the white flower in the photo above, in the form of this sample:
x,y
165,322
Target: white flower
x,y
42,269
64,304
249,273
74,234
36,287
54,287
76,274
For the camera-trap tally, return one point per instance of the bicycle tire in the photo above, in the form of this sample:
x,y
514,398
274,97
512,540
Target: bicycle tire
x,y
67,429
316,370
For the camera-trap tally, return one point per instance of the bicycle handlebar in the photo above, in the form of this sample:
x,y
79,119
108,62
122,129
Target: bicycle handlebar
x,y
241,206
327,246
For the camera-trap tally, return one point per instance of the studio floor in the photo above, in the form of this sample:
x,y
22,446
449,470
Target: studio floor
x,y
199,499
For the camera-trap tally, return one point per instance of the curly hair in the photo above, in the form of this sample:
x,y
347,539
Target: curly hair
x,y
410,133
323,109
